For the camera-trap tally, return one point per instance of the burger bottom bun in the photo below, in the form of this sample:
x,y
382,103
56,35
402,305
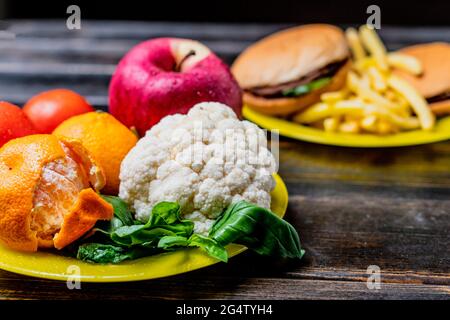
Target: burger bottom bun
x,y
440,108
286,106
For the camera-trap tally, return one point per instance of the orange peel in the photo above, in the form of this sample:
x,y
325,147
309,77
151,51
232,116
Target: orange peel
x,y
107,140
47,196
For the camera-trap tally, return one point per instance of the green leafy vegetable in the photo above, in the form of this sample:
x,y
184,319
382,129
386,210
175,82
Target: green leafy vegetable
x,y
164,221
106,253
121,210
172,242
258,229
208,244
124,238
165,213
306,88
211,246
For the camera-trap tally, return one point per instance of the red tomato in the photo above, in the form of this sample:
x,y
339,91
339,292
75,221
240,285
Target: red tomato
x,y
13,123
48,109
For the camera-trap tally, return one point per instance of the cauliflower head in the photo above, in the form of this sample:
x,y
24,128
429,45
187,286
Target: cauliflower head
x,y
204,160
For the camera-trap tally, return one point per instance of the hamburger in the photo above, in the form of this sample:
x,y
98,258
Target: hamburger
x,y
289,70
434,82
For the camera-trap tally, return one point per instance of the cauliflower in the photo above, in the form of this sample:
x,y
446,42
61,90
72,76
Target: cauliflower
x,y
204,160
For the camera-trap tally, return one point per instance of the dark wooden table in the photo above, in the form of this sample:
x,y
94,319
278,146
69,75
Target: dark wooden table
x,y
353,207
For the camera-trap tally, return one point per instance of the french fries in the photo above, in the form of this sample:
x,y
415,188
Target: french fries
x,y
377,80
369,123
331,124
355,44
373,100
404,62
374,45
349,127
417,102
331,97
314,113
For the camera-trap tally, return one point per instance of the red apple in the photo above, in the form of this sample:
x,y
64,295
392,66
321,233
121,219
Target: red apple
x,y
165,76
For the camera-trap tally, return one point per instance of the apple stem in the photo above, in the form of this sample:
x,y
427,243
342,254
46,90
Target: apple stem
x,y
178,66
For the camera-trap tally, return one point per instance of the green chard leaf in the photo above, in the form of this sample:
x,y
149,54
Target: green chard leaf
x,y
125,238
164,221
258,229
106,253
205,243
165,213
172,242
211,246
306,88
121,210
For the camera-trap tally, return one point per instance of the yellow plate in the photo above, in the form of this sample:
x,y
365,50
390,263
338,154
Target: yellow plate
x,y
53,266
293,130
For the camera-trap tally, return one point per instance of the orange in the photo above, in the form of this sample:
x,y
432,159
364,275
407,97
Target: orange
x,y
46,195
107,140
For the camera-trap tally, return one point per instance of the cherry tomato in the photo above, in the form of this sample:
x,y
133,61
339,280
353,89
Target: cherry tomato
x,y
13,123
48,109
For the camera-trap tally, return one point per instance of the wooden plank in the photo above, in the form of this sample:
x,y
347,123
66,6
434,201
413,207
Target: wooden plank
x,y
46,55
49,70
74,50
224,45
203,31
351,231
344,229
222,287
141,30
426,166
358,207
387,276
85,45
414,34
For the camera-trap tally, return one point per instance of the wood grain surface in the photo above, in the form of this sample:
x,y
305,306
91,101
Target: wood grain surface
x,y
352,207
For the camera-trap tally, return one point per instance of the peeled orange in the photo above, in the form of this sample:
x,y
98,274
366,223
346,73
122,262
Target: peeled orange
x,y
108,141
47,196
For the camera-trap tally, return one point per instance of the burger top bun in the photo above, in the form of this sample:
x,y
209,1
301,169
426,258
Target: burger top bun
x,y
435,59
289,55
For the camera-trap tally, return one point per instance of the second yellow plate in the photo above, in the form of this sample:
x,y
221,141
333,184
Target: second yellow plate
x,y
53,266
293,130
